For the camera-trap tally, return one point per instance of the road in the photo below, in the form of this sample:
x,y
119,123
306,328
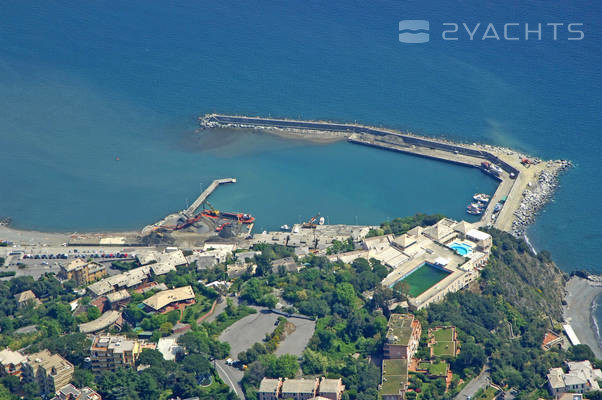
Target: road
x,y
252,329
481,381
231,377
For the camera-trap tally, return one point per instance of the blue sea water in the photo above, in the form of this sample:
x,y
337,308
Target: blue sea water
x,y
82,83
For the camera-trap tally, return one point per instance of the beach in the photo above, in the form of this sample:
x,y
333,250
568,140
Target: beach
x,y
581,294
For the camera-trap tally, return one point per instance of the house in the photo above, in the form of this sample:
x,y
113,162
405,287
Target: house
x,y
49,371
581,378
70,392
331,388
550,340
288,263
168,300
299,389
269,389
12,362
403,335
236,270
27,297
109,353
244,256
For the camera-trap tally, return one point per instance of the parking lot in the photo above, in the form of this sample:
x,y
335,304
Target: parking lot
x,y
37,260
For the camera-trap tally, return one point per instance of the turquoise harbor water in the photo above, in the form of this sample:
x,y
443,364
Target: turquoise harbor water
x,y
82,83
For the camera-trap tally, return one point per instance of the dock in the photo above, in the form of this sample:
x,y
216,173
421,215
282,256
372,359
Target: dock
x,y
514,178
190,211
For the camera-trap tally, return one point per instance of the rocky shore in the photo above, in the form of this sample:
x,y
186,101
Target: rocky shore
x,y
536,196
580,310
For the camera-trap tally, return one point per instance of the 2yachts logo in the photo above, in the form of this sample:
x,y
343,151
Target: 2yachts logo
x,y
418,31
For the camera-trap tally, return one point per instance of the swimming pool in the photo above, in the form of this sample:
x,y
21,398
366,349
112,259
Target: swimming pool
x,y
462,249
423,278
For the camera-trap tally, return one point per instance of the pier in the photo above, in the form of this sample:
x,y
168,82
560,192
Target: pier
x,y
515,178
203,196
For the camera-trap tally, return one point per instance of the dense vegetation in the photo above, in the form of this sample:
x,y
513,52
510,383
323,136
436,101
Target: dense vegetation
x,y
500,320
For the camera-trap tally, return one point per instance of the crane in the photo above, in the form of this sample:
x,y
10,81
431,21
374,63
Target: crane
x,y
311,224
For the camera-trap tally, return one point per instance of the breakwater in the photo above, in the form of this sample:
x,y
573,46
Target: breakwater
x,y
524,186
224,121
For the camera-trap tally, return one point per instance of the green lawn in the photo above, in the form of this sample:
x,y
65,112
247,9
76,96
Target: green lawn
x,y
444,335
424,366
438,369
444,349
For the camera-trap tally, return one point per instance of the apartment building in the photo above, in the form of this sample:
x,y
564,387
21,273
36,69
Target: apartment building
x,y
113,352
403,335
50,371
83,272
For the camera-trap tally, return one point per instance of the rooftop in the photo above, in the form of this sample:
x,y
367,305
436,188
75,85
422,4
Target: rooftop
x,y
52,363
118,296
330,385
395,376
118,344
7,357
104,321
161,299
25,296
74,265
299,385
400,329
268,385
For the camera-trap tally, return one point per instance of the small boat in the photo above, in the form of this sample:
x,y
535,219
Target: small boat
x,y
481,197
474,209
285,227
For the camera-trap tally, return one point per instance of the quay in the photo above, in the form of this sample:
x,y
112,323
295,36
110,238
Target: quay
x,y
515,177
203,196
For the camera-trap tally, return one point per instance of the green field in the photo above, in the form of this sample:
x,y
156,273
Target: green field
x,y
423,278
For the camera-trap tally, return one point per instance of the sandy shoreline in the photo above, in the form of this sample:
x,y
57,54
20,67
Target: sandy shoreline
x,y
581,294
32,237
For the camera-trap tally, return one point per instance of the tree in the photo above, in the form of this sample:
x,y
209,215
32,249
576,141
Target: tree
x,y
314,362
285,366
5,393
93,313
166,328
196,364
471,356
581,352
346,293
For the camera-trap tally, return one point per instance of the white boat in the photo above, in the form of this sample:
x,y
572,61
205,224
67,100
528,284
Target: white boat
x,y
285,227
481,197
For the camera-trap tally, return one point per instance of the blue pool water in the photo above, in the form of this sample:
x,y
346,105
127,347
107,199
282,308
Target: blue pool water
x,y
462,249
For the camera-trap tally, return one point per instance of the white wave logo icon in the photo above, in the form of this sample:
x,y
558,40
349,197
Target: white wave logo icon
x,y
414,31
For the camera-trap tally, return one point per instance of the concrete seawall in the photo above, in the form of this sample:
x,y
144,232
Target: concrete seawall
x,y
516,179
